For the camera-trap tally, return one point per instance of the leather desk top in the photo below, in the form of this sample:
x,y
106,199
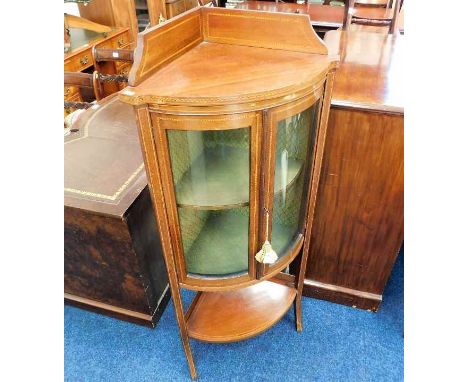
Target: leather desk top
x,y
104,170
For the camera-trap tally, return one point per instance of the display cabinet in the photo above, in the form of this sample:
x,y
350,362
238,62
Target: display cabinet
x,y
233,159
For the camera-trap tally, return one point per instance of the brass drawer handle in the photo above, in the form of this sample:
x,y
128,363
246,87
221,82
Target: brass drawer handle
x,y
121,42
67,91
84,60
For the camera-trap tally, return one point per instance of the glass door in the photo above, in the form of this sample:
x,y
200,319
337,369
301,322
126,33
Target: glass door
x,y
213,166
293,137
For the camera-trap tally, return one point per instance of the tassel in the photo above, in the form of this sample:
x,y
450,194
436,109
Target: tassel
x,y
267,254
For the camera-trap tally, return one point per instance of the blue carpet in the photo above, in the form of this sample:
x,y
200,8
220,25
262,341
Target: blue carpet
x,y
338,343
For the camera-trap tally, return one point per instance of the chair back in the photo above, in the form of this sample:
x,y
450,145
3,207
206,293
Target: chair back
x,y
83,81
372,16
101,55
207,3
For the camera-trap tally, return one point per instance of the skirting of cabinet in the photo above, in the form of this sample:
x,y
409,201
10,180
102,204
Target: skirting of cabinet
x,y
342,295
121,313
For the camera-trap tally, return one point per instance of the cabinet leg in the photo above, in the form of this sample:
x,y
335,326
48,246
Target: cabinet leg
x,y
154,177
179,310
298,313
189,356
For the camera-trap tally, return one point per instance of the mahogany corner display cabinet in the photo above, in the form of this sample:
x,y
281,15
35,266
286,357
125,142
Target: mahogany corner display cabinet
x,y
232,116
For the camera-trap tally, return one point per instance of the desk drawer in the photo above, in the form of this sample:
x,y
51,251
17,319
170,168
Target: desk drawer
x,y
121,41
69,92
79,62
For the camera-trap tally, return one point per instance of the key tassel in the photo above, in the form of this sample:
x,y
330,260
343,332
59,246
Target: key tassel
x,y
267,254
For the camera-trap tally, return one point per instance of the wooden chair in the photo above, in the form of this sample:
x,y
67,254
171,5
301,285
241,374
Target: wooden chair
x,y
101,55
93,82
207,3
372,17
83,81
373,3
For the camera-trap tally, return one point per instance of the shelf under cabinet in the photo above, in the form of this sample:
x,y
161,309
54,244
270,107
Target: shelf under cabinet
x,y
219,179
224,252
239,314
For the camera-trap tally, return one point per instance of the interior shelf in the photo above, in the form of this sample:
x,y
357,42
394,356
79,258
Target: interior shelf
x,y
240,314
224,252
219,179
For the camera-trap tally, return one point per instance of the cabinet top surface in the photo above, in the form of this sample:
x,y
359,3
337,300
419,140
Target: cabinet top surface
x,y
221,73
104,170
219,56
370,74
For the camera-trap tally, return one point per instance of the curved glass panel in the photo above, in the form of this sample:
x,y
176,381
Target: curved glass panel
x,y
211,173
295,142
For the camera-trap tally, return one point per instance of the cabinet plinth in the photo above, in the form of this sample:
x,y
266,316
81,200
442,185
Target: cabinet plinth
x,y
233,156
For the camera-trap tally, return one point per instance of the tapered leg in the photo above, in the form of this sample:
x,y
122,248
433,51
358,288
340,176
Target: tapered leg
x,y
155,181
313,196
298,312
179,310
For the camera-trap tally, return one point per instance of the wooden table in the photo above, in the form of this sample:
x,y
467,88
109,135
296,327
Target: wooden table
x,y
113,259
358,225
322,17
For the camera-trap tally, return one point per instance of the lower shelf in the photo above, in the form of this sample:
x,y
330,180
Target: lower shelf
x,y
239,314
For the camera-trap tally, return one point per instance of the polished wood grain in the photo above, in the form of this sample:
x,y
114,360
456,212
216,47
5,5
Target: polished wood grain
x,y
241,314
255,29
199,99
115,13
186,34
358,228
370,73
164,43
187,82
358,225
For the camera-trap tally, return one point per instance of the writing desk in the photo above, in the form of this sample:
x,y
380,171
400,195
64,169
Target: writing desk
x,y
113,259
80,58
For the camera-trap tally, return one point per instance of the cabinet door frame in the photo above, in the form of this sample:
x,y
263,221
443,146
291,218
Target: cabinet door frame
x,y
253,121
272,117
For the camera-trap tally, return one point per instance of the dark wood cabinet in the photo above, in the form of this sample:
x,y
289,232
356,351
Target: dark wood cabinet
x,y
113,256
358,225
